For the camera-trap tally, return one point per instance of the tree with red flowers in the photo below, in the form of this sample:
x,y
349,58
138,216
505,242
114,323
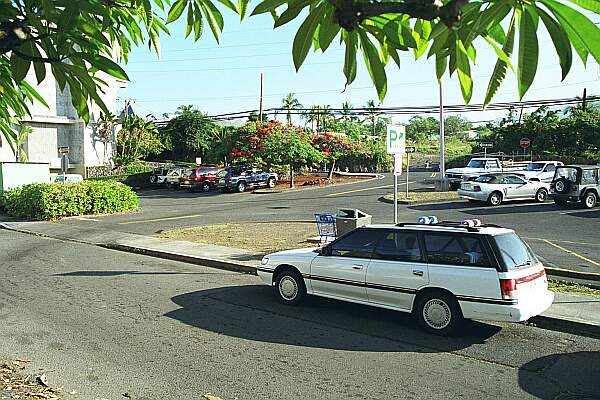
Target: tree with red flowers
x,y
332,147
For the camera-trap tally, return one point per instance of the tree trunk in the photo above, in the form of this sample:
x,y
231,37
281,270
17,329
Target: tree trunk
x,y
291,176
331,170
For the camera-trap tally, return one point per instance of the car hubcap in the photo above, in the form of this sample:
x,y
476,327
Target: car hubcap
x,y
495,199
437,314
541,196
288,288
590,201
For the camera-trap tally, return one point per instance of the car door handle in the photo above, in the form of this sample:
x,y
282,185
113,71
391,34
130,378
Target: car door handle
x,y
417,272
357,267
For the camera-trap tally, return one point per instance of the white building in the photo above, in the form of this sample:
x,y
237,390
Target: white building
x,y
59,126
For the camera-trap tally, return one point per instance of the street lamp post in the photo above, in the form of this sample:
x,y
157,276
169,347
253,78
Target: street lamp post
x,y
443,183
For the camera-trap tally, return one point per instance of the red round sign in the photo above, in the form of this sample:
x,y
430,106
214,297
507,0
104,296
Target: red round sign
x,y
524,143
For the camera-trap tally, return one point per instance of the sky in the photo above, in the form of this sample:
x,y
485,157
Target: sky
x,y
225,78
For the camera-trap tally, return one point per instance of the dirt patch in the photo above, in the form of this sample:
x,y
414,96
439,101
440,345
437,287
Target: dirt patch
x,y
15,384
262,237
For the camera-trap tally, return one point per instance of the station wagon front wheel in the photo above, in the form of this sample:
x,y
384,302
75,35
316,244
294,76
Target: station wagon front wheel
x,y
438,313
289,287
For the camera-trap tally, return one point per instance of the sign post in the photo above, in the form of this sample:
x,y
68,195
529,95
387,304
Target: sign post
x,y
485,146
64,159
409,149
396,144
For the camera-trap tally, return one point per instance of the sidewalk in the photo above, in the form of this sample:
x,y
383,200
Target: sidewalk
x,y
570,313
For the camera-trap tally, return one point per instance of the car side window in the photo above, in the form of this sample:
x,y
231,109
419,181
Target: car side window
x,y
514,180
399,246
550,168
359,244
588,176
455,249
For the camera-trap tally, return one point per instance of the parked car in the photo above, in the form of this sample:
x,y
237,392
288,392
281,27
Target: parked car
x,y
243,177
576,184
440,272
542,170
172,178
496,188
476,167
200,178
159,175
67,178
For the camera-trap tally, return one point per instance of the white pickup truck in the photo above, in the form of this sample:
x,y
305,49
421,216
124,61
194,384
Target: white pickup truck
x,y
542,170
475,167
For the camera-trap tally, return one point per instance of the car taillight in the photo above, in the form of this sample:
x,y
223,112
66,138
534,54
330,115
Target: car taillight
x,y
508,287
477,188
531,277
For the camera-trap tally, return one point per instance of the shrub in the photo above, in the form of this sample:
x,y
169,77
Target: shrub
x,y
49,201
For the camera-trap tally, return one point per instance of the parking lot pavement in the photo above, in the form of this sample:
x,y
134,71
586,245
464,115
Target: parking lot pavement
x,y
106,324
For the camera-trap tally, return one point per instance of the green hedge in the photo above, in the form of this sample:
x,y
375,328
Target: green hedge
x,y
49,201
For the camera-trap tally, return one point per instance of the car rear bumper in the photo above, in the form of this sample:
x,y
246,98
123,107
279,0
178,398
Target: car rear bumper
x,y
521,311
468,195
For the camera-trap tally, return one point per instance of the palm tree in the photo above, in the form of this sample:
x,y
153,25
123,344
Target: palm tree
x,y
326,114
289,103
182,109
347,111
312,115
373,112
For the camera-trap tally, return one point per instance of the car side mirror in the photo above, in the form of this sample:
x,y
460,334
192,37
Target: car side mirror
x,y
326,250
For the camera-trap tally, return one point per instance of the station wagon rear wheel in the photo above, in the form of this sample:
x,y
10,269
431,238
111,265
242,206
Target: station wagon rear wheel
x,y
438,312
289,287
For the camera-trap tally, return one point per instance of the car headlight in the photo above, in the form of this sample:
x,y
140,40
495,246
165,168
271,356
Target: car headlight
x,y
264,261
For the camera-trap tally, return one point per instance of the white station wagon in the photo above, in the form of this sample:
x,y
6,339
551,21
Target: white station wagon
x,y
441,272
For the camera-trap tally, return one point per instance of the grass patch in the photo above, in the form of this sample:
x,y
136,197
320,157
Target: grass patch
x,y
423,197
261,237
572,288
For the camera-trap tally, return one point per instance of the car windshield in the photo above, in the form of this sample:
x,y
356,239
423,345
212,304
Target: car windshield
x,y
207,171
485,179
514,253
535,166
476,164
567,173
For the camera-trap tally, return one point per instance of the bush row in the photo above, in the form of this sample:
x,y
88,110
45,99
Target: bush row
x,y
49,201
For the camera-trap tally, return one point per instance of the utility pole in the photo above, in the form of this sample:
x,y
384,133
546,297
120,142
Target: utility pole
x,y
442,159
260,107
584,102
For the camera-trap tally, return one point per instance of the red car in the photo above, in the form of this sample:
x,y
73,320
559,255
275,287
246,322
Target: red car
x,y
199,178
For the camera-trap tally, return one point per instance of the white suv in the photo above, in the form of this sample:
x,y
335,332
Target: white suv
x,y
441,272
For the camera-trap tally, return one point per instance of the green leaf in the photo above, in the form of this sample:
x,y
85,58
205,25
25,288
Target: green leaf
x,y
560,40
528,50
32,93
579,25
328,30
19,67
243,8
304,36
464,71
499,73
374,65
499,52
229,4
497,33
215,19
293,10
267,6
493,14
441,62
68,17
351,39
592,5
104,64
176,10
190,21
439,43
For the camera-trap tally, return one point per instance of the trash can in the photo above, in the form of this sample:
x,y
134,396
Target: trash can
x,y
348,219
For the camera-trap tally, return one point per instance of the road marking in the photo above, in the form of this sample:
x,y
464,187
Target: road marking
x,y
572,252
570,271
87,219
433,174
160,219
365,189
563,241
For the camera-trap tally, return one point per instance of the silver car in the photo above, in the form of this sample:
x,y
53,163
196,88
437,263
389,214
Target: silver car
x,y
496,188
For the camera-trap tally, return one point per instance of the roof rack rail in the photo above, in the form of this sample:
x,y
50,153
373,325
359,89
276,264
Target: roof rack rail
x,y
451,224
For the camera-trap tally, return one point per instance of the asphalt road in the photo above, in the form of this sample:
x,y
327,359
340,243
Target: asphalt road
x,y
104,324
565,238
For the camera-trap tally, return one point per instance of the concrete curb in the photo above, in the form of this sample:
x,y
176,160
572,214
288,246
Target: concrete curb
x,y
203,261
567,273
384,199
564,325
